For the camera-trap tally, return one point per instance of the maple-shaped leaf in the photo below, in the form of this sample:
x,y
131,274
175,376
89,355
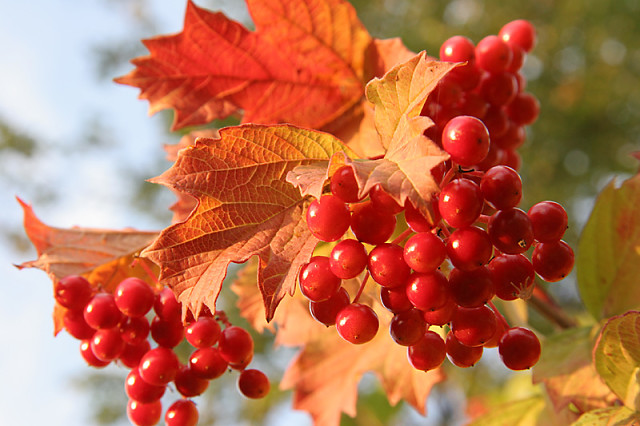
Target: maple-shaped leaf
x,y
104,257
326,372
404,171
303,64
245,208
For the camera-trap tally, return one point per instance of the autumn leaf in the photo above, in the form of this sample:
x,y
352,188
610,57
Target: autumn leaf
x,y
104,257
404,171
608,255
610,416
303,64
524,412
245,208
617,357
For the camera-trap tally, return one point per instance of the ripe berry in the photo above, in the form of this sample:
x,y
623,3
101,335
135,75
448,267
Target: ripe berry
x,y
428,353
510,231
207,363
549,221
132,354
471,289
134,297
328,218
427,292
419,222
317,282
381,200
141,414
89,356
344,185
370,225
102,312
76,326
498,88
357,323
139,390
523,109
466,139
73,292
493,54
519,348
469,248
424,252
407,328
460,203
348,259
235,345
513,276
327,310
166,306
519,32
553,261
183,412
203,333
253,384
134,330
460,355
502,187
474,326
189,383
395,299
167,333
442,315
107,344
159,366
387,265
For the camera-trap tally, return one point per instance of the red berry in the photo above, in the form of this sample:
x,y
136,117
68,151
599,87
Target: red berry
x,y
519,32
327,310
344,185
207,363
460,355
235,345
370,225
107,344
513,276
428,353
460,203
357,323
498,88
407,328
466,139
469,248
328,218
381,200
139,390
73,292
510,231
102,312
493,54
474,326
159,366
134,297
417,221
76,326
132,354
134,330
502,187
141,414
203,333
253,384
348,259
317,282
424,252
387,265
183,412
523,109
471,289
89,356
553,261
167,333
519,348
549,221
166,306
427,292
442,315
189,383
395,299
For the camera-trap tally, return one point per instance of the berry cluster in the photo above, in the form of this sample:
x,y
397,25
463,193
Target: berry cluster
x,y
446,267
117,328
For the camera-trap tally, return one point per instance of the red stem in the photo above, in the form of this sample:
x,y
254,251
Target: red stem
x,y
402,236
145,267
361,289
501,318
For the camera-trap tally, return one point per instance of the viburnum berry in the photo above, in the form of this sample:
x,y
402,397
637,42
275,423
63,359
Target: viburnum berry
x,y
317,281
76,326
461,355
523,109
253,384
102,312
471,289
381,200
207,363
419,222
493,54
427,292
474,326
407,328
327,310
553,261
387,266
511,139
73,292
519,348
107,344
166,306
141,414
167,333
442,315
235,345
498,88
370,225
132,354
520,32
134,297
460,203
428,353
513,276
344,185
89,356
328,218
159,366
502,187
357,323
510,231
189,383
203,333
348,259
466,139
183,412
395,299
549,221
424,252
134,330
139,390
469,248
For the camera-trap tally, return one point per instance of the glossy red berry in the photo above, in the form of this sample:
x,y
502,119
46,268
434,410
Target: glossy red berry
x,y
235,345
502,187
387,266
189,383
141,414
407,328
549,221
427,292
134,297
107,344
207,363
519,32
466,139
344,185
424,252
357,323
493,54
89,356
183,412
370,225
460,355
474,326
513,276
328,218
471,289
134,330
348,259
166,306
203,333
326,311
159,366
253,384
395,299
76,326
381,200
167,333
469,248
553,261
510,231
519,348
460,203
317,281
73,292
102,311
428,353
132,354
139,390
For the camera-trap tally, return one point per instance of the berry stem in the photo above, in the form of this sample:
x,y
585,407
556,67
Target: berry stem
x,y
483,218
402,236
361,289
143,264
499,315
448,176
222,317
552,311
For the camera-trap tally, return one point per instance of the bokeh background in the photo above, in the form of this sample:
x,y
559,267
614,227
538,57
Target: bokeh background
x,y
78,147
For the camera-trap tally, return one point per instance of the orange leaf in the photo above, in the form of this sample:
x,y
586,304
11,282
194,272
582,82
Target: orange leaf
x,y
245,208
304,64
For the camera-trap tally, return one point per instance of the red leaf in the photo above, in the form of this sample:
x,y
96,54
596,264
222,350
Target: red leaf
x,y
304,64
245,208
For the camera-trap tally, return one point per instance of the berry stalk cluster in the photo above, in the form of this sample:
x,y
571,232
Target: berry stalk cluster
x,y
439,277
139,329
